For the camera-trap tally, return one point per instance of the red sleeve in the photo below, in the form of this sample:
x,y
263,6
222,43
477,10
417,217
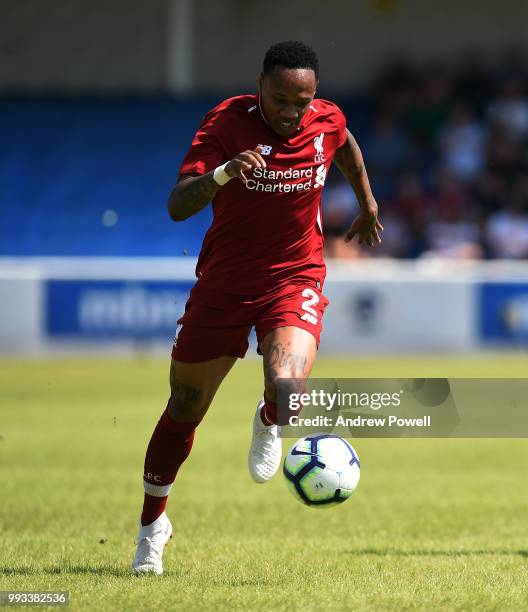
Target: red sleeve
x,y
206,151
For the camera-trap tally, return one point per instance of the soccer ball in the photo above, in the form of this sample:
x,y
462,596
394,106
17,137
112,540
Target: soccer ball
x,y
321,470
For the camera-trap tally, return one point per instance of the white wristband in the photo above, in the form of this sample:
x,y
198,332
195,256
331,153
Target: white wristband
x,y
220,176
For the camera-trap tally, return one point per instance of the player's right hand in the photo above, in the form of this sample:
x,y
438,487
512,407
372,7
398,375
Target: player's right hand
x,y
243,162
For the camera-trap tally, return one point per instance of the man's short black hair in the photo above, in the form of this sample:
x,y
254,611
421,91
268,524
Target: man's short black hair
x,y
291,54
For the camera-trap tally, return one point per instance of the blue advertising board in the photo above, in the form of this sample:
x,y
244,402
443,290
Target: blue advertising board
x,y
503,312
98,309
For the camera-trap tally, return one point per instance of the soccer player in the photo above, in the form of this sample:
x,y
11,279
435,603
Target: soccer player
x,y
262,160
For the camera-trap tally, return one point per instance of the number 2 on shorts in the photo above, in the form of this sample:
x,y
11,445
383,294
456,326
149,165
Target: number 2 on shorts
x,y
310,314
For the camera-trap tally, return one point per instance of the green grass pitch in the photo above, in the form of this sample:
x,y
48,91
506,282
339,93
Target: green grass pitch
x,y
434,524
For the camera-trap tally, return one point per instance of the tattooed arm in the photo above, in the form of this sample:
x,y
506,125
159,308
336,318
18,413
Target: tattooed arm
x,y
192,193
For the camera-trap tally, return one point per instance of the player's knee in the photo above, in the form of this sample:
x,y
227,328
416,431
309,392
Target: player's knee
x,y
181,411
283,382
272,375
187,403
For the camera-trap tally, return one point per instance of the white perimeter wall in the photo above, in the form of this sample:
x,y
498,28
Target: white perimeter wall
x,y
50,305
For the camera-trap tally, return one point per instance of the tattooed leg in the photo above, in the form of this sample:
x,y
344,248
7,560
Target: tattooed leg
x,y
193,387
289,353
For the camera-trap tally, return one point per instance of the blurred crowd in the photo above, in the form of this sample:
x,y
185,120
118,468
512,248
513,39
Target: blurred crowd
x,y
446,149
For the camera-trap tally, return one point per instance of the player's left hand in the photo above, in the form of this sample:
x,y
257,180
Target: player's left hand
x,y
366,226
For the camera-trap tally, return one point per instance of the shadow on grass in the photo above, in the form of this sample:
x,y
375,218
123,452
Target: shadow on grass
x,y
382,552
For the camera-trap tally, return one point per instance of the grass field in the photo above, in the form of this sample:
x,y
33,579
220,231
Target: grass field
x,y
434,524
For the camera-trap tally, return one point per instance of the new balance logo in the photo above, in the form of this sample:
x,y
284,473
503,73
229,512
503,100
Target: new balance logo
x,y
319,149
320,176
265,149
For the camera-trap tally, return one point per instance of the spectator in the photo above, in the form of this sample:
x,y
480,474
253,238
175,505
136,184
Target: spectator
x,y
505,155
509,110
339,205
447,162
463,144
489,192
410,200
410,207
397,238
431,108
452,231
395,89
506,231
339,208
388,148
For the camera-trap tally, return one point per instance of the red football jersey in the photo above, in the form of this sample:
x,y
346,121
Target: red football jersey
x,y
267,232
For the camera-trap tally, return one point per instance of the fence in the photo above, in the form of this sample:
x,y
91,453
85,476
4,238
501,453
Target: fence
x,y
52,305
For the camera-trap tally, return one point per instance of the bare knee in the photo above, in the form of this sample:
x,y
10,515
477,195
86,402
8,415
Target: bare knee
x,y
186,403
193,387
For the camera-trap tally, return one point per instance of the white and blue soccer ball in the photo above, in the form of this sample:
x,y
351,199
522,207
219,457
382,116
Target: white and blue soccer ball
x,y
321,470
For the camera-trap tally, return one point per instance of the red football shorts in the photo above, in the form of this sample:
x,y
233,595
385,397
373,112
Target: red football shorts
x,y
216,324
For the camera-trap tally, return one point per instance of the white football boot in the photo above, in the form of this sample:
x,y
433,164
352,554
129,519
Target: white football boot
x,y
151,541
266,449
